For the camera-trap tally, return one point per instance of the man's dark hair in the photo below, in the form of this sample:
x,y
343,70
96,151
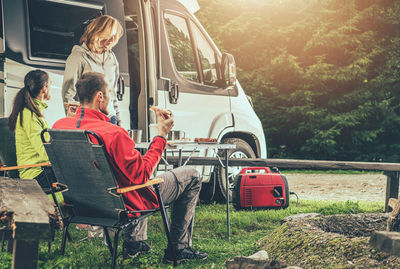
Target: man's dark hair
x,y
89,84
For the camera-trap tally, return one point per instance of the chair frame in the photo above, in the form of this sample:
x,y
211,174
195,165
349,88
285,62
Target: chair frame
x,y
124,221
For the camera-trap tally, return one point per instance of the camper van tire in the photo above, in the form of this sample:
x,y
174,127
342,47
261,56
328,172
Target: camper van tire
x,y
208,189
243,150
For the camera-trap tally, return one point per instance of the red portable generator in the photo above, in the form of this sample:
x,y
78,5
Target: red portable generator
x,y
259,187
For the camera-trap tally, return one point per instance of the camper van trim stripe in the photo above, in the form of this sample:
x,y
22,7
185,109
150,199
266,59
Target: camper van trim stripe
x,y
73,3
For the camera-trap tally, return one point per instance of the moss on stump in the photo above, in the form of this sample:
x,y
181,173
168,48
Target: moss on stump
x,y
338,241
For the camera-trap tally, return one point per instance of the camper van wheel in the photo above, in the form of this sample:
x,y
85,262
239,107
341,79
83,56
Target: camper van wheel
x,y
208,189
243,151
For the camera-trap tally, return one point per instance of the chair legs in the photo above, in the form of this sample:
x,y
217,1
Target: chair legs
x,y
53,195
165,219
108,240
64,238
115,249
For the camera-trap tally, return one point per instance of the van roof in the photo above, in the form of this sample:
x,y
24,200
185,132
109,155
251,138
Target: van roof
x,y
191,5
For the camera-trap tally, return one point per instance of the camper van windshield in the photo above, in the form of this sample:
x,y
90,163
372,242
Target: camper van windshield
x,y
55,26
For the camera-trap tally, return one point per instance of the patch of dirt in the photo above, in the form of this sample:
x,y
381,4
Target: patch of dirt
x,y
338,187
338,241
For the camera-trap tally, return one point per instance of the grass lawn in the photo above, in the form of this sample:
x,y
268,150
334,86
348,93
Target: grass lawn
x,y
247,227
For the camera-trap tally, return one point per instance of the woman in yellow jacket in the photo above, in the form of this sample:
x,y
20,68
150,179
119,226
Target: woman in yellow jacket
x,y
28,122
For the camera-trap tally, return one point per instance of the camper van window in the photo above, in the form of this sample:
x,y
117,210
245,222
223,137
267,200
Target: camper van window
x,y
207,56
55,26
181,47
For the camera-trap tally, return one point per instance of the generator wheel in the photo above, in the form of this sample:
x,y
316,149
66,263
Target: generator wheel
x,y
243,150
286,191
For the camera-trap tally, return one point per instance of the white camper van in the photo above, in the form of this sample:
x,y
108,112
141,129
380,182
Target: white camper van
x,y
166,59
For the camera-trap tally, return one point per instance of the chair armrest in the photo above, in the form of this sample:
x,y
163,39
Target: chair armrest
x,y
4,168
148,183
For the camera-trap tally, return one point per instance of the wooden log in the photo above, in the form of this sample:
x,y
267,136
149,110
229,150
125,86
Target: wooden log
x,y
290,164
393,222
28,250
392,202
388,242
30,210
392,187
30,206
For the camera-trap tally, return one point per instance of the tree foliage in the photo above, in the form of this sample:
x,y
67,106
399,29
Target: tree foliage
x,y
324,75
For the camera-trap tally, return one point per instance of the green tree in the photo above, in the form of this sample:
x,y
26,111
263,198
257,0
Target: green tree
x,y
323,74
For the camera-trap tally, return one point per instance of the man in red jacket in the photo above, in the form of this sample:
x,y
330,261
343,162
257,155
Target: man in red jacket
x,y
180,188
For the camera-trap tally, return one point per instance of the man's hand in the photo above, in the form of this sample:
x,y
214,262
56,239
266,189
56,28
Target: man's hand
x,y
166,114
165,121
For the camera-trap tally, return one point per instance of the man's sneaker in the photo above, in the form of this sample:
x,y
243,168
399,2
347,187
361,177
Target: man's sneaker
x,y
133,248
183,254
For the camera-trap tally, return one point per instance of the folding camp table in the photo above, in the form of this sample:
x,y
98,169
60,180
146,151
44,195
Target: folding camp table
x,y
192,147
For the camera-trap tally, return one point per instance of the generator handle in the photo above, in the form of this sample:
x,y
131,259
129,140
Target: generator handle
x,y
266,169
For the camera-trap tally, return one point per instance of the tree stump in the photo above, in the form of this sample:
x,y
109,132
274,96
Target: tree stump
x,y
393,222
388,242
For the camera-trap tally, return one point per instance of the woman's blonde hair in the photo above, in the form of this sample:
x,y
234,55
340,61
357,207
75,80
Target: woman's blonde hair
x,y
99,29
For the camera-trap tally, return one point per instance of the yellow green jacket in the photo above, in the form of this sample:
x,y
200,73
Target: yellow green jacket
x,y
28,144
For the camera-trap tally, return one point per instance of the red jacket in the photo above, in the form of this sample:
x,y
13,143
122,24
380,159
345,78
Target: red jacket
x,y
129,166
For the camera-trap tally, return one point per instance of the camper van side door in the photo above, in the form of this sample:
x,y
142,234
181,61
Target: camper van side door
x,y
200,105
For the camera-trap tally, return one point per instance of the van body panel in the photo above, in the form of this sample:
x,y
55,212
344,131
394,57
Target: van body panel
x,y
15,81
151,65
2,63
199,108
219,124
115,8
19,61
246,119
138,63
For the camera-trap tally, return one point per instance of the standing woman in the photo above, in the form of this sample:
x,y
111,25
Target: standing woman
x,y
95,55
27,120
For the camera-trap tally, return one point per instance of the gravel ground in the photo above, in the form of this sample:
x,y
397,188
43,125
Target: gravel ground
x,y
338,187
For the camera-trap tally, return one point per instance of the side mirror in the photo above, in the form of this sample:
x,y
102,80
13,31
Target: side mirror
x,y
228,70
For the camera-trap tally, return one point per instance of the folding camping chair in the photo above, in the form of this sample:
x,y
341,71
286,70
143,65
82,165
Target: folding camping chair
x,y
92,196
